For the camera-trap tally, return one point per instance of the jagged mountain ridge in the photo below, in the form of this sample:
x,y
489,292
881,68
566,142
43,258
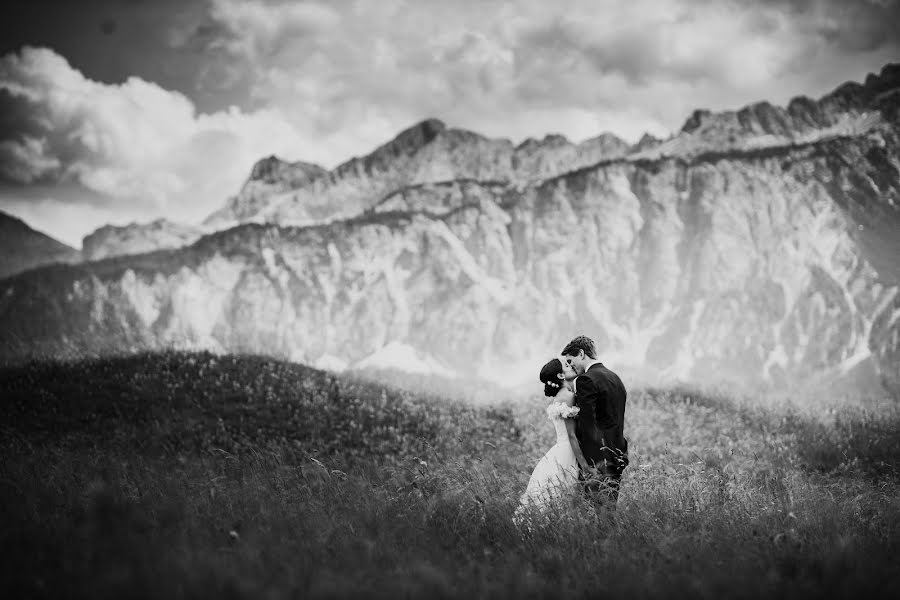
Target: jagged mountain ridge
x,y
851,109
24,248
427,152
268,177
430,152
756,264
136,238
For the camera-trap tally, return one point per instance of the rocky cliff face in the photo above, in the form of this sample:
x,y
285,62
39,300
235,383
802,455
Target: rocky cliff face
x,y
137,238
22,248
753,263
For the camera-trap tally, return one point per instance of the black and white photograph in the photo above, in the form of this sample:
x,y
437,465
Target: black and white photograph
x,y
306,299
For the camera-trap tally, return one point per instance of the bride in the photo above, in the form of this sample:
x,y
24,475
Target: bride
x,y
556,475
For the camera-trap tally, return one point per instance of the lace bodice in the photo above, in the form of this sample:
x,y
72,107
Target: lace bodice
x,y
558,412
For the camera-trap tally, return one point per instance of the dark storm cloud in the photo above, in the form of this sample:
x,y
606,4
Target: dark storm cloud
x,y
862,26
16,119
851,25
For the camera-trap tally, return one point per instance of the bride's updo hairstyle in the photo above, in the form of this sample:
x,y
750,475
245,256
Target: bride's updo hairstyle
x,y
550,377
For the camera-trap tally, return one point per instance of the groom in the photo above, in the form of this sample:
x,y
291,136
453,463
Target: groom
x,y
600,396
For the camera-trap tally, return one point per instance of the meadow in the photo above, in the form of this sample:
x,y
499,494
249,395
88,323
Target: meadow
x,y
191,475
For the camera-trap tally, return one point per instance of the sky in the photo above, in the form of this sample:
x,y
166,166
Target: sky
x,y
116,111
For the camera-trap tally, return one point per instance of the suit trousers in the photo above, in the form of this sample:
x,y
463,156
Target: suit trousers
x,y
601,491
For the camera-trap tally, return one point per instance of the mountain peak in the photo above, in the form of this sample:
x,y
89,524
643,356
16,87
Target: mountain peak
x,y
693,122
647,142
555,139
606,136
272,169
413,138
430,125
405,144
605,146
551,140
265,166
888,78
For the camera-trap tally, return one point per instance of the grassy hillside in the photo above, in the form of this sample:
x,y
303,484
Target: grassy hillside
x,y
173,404
192,475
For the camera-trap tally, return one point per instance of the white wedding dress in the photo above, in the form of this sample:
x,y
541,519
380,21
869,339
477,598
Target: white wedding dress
x,y
556,475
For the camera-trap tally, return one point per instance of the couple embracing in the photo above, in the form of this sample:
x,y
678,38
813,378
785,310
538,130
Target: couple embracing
x,y
587,409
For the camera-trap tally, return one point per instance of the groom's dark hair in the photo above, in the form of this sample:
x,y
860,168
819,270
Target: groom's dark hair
x,y
582,342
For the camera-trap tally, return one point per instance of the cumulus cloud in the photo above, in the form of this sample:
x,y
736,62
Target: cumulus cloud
x,y
324,81
138,146
262,29
26,160
501,67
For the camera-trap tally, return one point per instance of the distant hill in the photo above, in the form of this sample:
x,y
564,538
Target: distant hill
x,y
22,248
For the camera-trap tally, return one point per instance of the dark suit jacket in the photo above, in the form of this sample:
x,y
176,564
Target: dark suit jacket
x,y
600,425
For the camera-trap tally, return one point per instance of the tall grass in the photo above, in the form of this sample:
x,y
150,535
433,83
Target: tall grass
x,y
721,500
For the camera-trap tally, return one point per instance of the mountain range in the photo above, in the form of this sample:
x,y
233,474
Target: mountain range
x,y
756,246
428,152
